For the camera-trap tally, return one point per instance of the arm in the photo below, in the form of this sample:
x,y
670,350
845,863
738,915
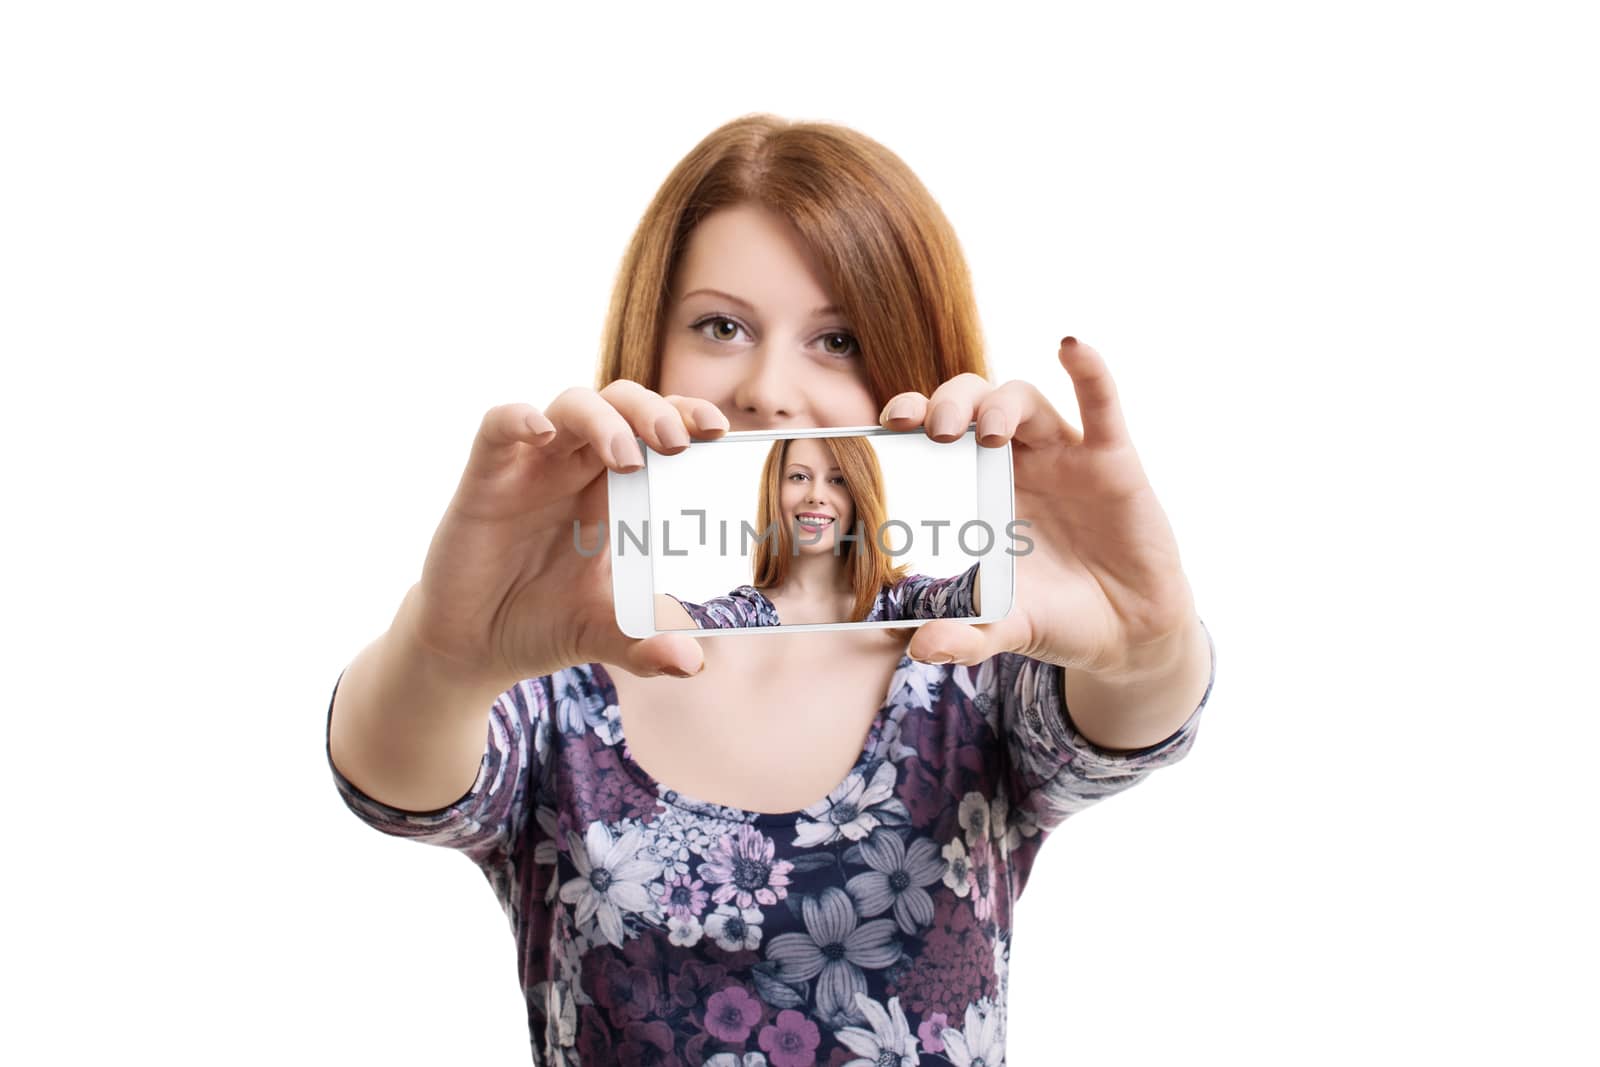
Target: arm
x,y
1052,768
1148,702
918,596
736,610
1141,718
404,728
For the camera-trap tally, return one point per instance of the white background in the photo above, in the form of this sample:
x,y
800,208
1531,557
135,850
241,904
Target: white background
x,y
264,266
924,481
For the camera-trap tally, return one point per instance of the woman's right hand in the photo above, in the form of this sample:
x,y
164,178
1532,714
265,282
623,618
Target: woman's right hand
x,y
504,593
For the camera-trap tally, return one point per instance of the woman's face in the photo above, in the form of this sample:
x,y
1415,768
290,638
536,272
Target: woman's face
x,y
814,497
750,327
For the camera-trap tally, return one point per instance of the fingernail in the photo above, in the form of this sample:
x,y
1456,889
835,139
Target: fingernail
x,y
992,424
677,671
898,409
940,657
945,421
625,452
710,420
1065,341
669,428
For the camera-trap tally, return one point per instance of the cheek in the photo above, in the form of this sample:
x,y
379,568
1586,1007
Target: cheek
x,y
684,375
846,398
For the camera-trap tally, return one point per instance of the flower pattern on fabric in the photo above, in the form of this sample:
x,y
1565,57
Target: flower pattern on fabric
x,y
888,1044
743,865
871,928
898,879
611,879
915,597
836,949
979,1042
853,810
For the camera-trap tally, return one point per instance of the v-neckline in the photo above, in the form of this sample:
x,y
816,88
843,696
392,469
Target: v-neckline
x,y
678,798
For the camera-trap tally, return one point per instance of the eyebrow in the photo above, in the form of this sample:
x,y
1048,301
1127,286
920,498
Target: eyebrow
x,y
831,309
807,469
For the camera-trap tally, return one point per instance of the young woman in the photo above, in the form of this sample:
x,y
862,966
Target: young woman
x,y
813,491
803,849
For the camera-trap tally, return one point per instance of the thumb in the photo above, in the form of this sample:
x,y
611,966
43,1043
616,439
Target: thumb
x,y
964,643
673,654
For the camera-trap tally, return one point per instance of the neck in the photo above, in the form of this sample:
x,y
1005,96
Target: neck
x,y
817,577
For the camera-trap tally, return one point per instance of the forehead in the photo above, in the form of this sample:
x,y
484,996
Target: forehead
x,y
812,452
752,253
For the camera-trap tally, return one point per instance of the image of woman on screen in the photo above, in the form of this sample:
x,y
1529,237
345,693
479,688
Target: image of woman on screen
x,y
813,492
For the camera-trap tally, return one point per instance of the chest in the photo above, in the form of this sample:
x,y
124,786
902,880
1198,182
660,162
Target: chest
x,y
771,724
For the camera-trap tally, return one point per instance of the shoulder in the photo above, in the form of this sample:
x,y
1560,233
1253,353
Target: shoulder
x,y
922,579
671,614
583,702
743,606
920,596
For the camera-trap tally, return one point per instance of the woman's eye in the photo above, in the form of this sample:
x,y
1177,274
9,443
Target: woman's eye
x,y
719,328
840,344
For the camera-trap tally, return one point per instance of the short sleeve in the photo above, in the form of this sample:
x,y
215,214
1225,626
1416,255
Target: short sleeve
x,y
918,596
1052,770
744,607
486,822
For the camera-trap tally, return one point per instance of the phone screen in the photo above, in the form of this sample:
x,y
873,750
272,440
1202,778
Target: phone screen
x,y
818,530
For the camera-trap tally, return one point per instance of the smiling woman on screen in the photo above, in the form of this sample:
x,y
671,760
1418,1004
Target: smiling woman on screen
x,y
803,850
818,558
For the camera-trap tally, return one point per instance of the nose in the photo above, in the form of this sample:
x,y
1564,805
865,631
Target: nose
x,y
765,393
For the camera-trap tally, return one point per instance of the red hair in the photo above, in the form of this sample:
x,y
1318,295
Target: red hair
x,y
889,256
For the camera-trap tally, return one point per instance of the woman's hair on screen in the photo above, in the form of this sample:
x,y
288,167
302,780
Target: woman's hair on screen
x,y
890,257
868,566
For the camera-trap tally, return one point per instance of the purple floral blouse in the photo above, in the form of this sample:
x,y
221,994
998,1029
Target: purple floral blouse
x,y
871,928
915,597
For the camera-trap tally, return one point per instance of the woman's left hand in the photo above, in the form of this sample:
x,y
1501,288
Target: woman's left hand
x,y
1102,590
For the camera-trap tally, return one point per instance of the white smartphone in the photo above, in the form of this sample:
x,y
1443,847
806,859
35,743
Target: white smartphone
x,y
729,536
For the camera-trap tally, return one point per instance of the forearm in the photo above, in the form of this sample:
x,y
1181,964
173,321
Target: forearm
x,y
404,729
1148,703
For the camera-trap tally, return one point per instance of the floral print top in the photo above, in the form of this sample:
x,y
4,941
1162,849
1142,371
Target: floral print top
x,y
915,597
872,928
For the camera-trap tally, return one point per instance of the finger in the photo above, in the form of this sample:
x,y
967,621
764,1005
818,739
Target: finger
x,y
597,638
671,654
649,415
904,411
968,644
999,413
1028,414
703,418
504,427
583,418
1098,406
951,407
